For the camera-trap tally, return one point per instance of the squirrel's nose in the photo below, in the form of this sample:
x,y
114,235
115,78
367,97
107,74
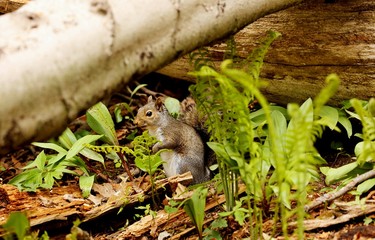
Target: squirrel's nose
x,y
138,122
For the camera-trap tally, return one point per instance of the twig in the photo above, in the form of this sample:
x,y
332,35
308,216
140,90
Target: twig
x,y
125,165
150,92
333,195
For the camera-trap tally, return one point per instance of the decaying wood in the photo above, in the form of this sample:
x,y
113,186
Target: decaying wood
x,y
66,203
343,213
45,206
352,211
11,5
118,200
318,38
333,195
147,223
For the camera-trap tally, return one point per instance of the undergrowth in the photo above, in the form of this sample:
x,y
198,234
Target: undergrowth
x,y
276,160
270,149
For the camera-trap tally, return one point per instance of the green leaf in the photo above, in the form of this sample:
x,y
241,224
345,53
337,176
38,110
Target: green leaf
x,y
49,180
344,121
367,221
329,116
173,106
39,162
358,149
219,223
55,159
67,138
80,144
211,234
366,185
100,120
168,209
335,174
51,146
194,207
117,114
221,151
280,125
85,184
137,88
17,223
90,154
285,194
148,163
29,180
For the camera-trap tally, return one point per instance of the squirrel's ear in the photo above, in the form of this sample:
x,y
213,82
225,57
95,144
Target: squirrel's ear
x,y
159,103
149,99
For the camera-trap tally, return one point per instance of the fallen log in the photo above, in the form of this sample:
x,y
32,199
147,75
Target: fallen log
x,y
56,209
11,5
58,58
318,38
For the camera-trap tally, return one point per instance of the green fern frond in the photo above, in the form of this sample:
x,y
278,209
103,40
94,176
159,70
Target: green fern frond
x,y
332,84
108,149
257,56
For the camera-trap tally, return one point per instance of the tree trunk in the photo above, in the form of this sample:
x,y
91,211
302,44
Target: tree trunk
x,y
57,58
318,38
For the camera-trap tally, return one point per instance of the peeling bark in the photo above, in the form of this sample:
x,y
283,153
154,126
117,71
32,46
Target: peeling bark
x,y
57,58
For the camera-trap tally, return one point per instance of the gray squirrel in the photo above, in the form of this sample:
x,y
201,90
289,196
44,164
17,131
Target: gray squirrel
x,y
185,145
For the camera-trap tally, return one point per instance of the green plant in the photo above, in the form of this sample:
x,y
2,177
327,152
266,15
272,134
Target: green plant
x,y
17,224
147,211
118,107
76,232
100,120
47,168
144,159
195,206
212,231
274,159
72,153
364,150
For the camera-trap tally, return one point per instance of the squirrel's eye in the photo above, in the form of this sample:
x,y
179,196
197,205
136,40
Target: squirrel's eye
x,y
149,113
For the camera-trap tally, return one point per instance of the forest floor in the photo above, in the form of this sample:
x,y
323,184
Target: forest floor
x,y
112,210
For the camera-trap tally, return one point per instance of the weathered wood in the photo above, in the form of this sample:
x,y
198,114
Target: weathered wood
x,y
318,38
145,225
11,5
66,203
41,57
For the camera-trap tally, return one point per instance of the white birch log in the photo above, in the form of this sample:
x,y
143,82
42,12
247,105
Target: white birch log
x,y
57,58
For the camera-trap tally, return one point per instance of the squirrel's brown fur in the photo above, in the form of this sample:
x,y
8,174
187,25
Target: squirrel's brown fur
x,y
185,145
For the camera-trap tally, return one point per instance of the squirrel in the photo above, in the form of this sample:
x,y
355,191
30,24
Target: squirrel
x,y
186,148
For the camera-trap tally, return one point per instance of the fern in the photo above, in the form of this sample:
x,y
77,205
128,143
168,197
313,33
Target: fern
x,y
224,97
244,149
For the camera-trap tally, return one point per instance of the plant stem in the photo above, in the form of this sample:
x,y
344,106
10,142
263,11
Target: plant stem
x,y
125,165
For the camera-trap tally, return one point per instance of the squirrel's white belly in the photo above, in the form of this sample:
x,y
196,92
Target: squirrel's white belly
x,y
171,160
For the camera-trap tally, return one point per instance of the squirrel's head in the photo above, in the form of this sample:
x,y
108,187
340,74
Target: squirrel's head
x,y
151,114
